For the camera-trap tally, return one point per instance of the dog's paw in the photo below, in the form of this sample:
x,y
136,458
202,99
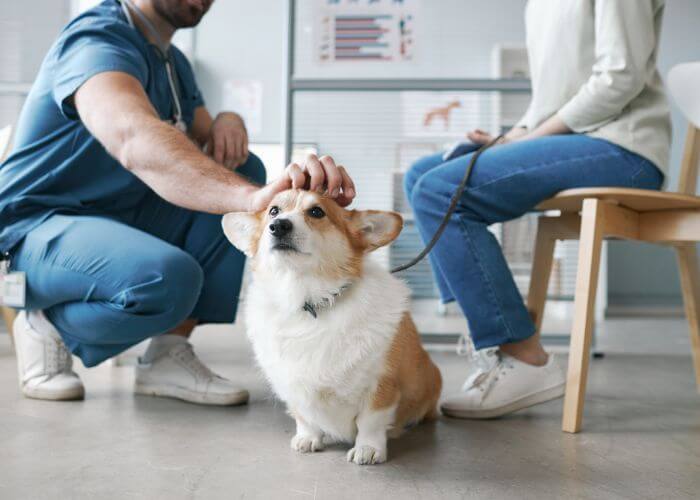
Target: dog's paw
x,y
307,444
366,455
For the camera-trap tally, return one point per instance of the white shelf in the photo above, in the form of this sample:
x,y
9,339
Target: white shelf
x,y
16,88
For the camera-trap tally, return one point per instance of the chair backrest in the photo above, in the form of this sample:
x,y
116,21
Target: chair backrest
x,y
684,84
5,141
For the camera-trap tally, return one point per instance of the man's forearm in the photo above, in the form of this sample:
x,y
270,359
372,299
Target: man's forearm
x,y
179,172
128,126
201,125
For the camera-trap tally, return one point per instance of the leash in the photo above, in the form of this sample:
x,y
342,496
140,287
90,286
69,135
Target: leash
x,y
450,210
313,308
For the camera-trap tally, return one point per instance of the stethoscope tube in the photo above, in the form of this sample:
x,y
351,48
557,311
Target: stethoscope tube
x,y
164,54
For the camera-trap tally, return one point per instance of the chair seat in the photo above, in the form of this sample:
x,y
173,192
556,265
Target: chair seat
x,y
639,200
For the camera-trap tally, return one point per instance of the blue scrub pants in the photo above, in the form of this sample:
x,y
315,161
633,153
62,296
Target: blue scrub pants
x,y
109,282
507,181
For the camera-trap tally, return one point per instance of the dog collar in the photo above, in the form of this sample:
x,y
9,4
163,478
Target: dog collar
x,y
313,307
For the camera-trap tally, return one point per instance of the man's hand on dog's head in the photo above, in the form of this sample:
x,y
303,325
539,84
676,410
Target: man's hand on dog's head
x,y
315,174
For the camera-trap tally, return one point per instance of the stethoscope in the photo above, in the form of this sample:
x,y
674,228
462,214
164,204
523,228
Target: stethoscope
x,y
163,53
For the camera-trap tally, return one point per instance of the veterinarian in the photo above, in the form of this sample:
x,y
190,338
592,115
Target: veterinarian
x,y
598,117
111,208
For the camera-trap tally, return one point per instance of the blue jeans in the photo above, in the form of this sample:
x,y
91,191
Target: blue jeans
x,y
507,181
109,282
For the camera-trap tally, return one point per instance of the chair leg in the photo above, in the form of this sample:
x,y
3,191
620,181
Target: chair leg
x,y
591,238
541,271
690,282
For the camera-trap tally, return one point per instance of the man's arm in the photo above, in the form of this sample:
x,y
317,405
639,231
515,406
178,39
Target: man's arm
x,y
116,110
201,125
225,137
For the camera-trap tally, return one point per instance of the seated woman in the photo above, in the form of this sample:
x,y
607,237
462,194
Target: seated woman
x,y
598,117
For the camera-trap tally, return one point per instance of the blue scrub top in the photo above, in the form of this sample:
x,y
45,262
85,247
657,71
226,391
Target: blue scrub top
x,y
56,166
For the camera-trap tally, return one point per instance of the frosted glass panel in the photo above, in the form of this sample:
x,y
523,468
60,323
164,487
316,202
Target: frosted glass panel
x,y
27,30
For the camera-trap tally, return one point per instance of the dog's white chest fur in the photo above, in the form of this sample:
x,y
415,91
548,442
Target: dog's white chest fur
x,y
325,368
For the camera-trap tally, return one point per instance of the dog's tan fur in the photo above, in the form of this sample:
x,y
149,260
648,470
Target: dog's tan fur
x,y
411,379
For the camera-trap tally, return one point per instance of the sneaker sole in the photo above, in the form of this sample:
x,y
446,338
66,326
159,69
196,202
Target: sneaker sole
x,y
74,394
238,398
520,404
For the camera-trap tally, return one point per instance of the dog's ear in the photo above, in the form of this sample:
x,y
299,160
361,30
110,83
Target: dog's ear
x,y
242,229
377,228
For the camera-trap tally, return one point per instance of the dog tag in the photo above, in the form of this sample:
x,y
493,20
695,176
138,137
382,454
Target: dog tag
x,y
13,286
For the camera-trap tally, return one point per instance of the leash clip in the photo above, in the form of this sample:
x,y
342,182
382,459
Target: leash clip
x,y
309,308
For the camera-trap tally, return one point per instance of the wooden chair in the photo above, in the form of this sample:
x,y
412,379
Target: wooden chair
x,y
8,314
591,215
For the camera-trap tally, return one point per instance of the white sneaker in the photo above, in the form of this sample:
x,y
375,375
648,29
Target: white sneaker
x,y
44,365
178,373
506,386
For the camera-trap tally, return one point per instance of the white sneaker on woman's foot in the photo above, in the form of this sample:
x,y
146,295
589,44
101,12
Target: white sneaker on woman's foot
x,y
174,371
44,365
506,386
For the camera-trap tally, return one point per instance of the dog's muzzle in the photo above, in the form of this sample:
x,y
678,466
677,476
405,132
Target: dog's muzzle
x,y
281,229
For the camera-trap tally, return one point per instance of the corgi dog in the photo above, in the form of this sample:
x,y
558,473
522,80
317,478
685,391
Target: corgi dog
x,y
331,328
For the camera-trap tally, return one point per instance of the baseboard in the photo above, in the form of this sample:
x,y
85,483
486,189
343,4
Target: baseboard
x,y
644,311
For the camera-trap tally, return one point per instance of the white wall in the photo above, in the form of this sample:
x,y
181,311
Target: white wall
x,y
680,42
241,39
27,30
25,37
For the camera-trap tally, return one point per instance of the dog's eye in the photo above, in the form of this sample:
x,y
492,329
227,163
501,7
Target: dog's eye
x,y
274,211
316,212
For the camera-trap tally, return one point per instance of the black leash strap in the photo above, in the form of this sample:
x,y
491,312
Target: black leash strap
x,y
450,209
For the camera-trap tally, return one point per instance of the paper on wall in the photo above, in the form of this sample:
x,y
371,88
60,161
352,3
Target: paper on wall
x,y
245,98
366,30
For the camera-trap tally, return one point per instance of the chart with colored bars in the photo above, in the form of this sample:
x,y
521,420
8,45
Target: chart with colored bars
x,y
367,30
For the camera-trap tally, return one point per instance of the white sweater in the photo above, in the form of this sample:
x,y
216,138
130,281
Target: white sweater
x,y
593,63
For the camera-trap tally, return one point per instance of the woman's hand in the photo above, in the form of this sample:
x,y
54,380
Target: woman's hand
x,y
551,126
227,143
516,134
321,175
478,136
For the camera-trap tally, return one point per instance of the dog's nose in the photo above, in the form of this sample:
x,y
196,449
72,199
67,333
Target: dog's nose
x,y
280,227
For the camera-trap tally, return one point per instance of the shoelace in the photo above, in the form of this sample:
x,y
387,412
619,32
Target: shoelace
x,y
485,379
57,357
465,346
481,362
487,365
189,358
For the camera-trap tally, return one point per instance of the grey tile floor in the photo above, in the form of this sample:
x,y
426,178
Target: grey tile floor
x,y
641,437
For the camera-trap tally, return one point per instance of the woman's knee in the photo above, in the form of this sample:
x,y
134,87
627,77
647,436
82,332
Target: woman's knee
x,y
425,193
415,171
409,182
254,169
418,169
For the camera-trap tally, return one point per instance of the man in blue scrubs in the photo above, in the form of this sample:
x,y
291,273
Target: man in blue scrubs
x,y
112,209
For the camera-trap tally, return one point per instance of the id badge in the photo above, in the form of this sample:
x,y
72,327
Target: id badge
x,y
13,286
